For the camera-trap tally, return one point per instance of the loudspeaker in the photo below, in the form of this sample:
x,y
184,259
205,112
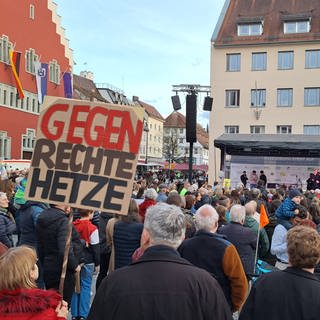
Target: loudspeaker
x,y
207,105
191,118
176,102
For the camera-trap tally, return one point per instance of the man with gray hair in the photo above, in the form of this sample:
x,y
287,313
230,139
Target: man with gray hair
x,y
212,252
160,285
243,238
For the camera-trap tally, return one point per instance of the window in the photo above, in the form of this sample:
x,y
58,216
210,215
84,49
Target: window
x,y
181,140
31,11
54,70
31,58
233,62
257,129
11,99
4,97
181,130
285,60
312,59
259,61
284,129
28,140
150,125
232,98
5,145
250,29
312,96
284,97
311,130
231,129
296,26
258,97
5,47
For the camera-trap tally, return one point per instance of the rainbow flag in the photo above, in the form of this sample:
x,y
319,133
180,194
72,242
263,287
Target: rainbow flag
x,y
15,64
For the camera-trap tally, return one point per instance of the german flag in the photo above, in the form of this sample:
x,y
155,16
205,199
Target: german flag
x,y
15,64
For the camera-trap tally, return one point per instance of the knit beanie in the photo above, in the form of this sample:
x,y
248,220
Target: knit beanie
x,y
294,193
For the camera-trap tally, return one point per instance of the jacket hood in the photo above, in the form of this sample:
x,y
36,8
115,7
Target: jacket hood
x,y
82,225
28,300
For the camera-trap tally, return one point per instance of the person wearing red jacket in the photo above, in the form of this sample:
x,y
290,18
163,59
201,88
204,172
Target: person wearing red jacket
x,y
150,197
20,299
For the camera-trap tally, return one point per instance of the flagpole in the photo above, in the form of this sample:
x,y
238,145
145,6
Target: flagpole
x,y
257,248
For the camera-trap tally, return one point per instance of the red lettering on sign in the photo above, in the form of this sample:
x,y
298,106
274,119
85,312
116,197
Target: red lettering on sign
x,y
75,123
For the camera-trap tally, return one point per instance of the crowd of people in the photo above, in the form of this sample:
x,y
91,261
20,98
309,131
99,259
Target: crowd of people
x,y
181,251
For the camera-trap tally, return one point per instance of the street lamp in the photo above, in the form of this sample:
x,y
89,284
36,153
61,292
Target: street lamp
x,y
146,130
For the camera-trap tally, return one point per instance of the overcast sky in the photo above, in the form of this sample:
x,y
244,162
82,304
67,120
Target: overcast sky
x,y
143,47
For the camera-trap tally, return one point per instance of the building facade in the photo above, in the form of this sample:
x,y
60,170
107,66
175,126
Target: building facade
x,y
152,139
175,145
265,70
33,29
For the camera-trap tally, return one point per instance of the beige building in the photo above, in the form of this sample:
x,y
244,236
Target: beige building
x,y
265,71
152,139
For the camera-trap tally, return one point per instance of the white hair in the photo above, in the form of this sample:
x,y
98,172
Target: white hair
x,y
166,224
237,213
151,194
251,208
206,217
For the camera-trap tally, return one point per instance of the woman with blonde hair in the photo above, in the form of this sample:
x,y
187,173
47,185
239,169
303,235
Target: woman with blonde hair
x,y
19,296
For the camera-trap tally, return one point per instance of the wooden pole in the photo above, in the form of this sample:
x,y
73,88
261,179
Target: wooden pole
x,y
66,254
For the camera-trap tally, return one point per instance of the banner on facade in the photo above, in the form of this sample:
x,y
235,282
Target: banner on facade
x,y
85,154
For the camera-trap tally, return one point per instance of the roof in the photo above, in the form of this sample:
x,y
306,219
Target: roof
x,y
270,144
151,110
272,14
85,89
178,120
175,120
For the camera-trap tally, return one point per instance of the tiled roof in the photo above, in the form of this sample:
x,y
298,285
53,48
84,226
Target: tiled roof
x,y
175,120
178,120
273,13
151,110
85,89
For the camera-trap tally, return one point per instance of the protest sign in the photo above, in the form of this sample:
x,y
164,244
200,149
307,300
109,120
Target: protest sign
x,y
85,154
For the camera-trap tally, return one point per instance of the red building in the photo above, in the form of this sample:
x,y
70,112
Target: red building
x,y
33,29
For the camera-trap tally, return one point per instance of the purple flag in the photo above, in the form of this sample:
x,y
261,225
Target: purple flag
x,y
41,70
67,85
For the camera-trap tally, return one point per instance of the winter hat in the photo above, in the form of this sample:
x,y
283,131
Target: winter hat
x,y
294,193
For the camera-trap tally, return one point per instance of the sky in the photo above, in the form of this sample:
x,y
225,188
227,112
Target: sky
x,y
143,47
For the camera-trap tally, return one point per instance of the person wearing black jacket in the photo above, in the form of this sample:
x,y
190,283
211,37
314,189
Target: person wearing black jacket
x,y
292,293
161,284
52,231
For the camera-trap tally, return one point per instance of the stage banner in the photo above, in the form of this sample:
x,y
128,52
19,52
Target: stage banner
x,y
85,154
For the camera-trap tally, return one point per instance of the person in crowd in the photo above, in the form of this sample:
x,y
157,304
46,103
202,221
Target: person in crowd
x,y
162,195
212,252
150,197
289,208
243,238
7,224
311,182
221,210
89,235
29,214
20,299
279,240
174,198
105,251
235,197
244,178
253,179
126,236
188,212
226,202
252,223
109,240
184,190
292,293
52,231
263,177
160,284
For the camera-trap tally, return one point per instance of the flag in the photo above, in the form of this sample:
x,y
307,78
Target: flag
x,y
264,220
67,82
41,70
15,64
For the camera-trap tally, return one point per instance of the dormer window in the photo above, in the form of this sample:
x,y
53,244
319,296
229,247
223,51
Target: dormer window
x,y
250,29
301,26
